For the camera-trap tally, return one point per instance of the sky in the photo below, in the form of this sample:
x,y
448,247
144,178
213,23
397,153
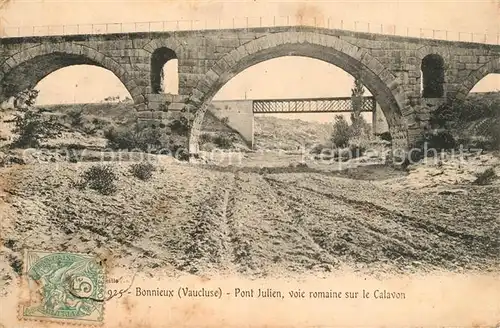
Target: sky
x,y
270,79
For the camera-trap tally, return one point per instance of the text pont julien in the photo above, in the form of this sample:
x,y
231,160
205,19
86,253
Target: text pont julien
x,y
183,292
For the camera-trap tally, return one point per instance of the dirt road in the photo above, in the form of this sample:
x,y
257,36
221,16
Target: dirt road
x,y
198,220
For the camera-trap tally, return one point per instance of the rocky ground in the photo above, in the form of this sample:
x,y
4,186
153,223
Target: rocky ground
x,y
202,219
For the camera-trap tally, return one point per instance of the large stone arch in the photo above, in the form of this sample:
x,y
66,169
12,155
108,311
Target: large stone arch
x,y
466,85
354,60
27,67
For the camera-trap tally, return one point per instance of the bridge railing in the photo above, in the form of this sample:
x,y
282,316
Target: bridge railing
x,y
488,37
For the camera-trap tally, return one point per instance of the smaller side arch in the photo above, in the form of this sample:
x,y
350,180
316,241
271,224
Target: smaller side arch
x,y
432,67
175,51
67,54
466,85
448,57
170,43
159,58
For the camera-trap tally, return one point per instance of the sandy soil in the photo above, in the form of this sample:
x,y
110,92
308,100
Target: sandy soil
x,y
201,220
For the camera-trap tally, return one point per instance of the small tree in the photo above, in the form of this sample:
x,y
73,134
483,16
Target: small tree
x,y
76,117
25,99
30,125
341,133
358,123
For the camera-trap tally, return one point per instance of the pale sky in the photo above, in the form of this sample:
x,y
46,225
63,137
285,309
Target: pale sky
x,y
270,79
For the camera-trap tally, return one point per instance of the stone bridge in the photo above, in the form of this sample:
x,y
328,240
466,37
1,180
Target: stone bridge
x,y
409,77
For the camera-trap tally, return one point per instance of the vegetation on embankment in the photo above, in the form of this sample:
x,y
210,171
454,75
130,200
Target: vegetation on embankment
x,y
471,123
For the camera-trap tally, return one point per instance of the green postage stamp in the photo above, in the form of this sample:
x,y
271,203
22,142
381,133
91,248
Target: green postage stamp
x,y
70,287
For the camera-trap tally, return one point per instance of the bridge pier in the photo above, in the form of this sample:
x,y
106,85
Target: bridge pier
x,y
159,109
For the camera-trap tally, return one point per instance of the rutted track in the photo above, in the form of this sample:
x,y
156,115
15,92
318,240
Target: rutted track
x,y
190,219
411,238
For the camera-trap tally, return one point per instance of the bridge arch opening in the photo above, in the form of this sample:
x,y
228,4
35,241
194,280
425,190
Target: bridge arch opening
x,y
308,98
164,71
81,84
484,78
370,72
479,112
432,69
39,63
489,83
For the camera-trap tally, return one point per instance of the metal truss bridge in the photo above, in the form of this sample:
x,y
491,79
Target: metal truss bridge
x,y
312,105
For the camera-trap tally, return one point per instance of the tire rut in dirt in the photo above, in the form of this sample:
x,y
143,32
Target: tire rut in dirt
x,y
265,236
418,222
239,239
204,233
303,214
338,229
413,239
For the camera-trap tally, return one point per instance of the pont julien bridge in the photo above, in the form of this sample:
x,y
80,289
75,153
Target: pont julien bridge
x,y
407,76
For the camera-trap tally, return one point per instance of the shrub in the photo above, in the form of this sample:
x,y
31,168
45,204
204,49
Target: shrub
x,y
179,126
146,139
443,117
219,140
143,171
180,152
486,177
476,116
341,133
493,132
73,158
120,138
99,123
76,117
25,98
135,137
100,178
32,127
437,140
356,150
223,142
386,136
89,128
319,148
208,146
477,106
205,138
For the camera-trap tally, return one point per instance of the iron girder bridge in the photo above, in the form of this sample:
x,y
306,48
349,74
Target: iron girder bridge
x,y
312,105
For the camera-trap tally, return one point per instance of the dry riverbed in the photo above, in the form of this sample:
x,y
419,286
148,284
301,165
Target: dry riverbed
x,y
202,220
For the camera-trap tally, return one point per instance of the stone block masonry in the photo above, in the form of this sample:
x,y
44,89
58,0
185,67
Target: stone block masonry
x,y
389,66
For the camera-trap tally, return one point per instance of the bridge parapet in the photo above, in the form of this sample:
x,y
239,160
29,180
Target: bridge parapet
x,y
248,22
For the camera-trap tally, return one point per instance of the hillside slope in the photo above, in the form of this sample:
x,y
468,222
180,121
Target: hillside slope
x,y
476,121
288,134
